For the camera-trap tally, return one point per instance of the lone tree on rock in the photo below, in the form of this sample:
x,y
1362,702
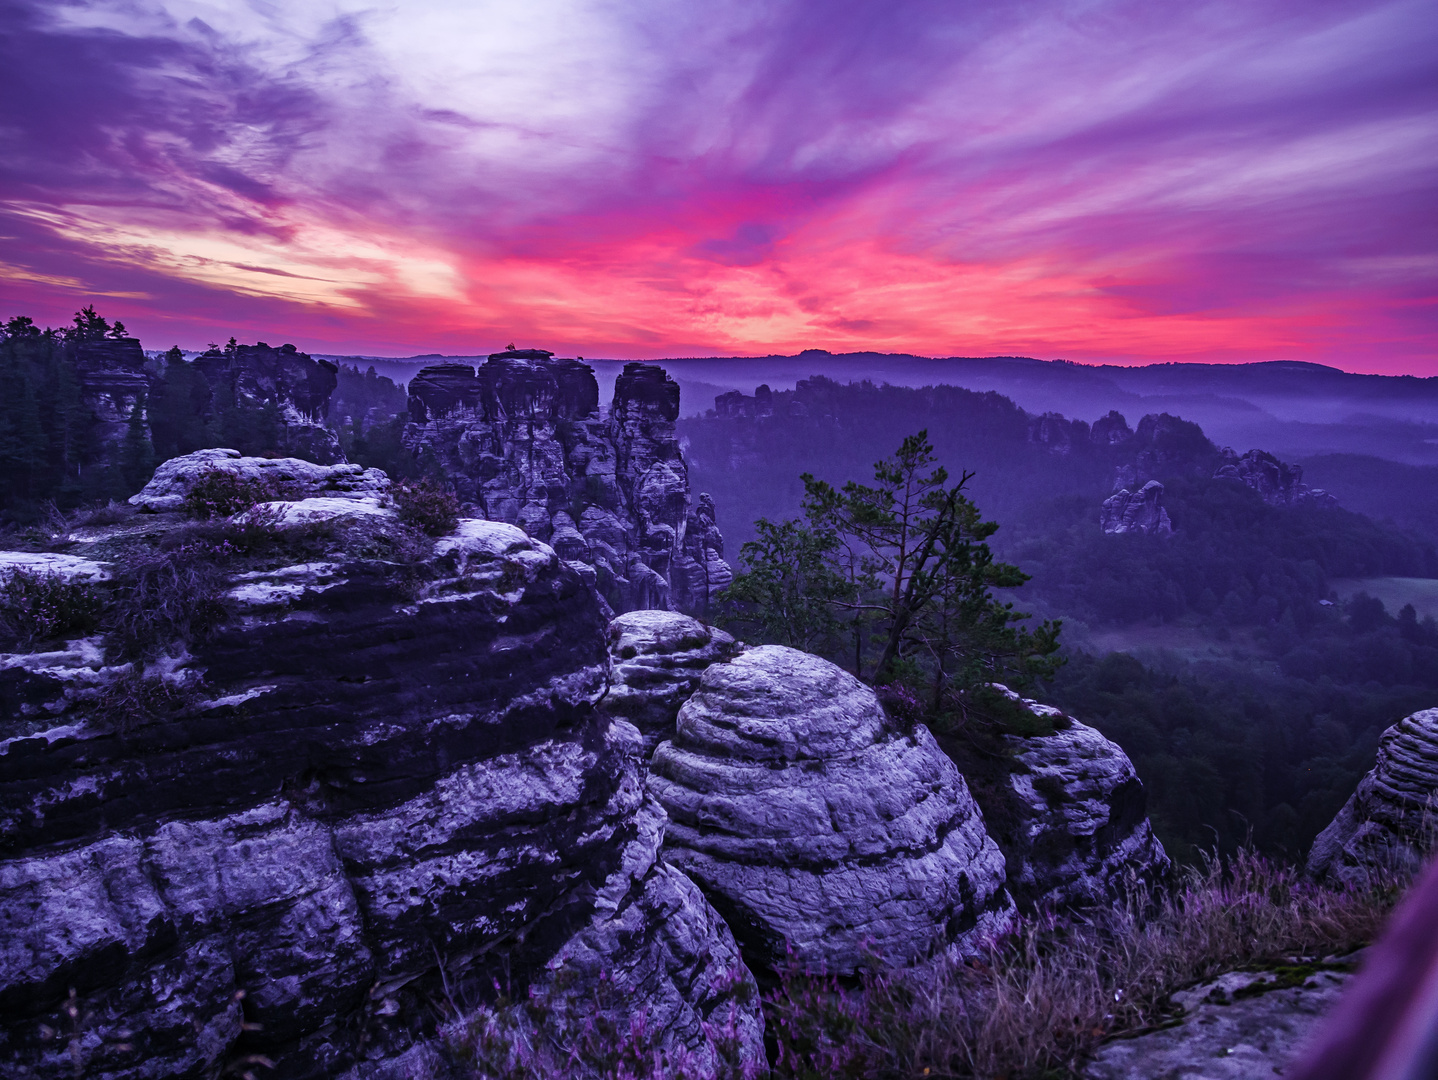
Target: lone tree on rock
x,y
899,571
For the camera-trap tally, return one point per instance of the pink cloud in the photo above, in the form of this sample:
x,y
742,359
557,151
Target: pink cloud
x,y
1115,181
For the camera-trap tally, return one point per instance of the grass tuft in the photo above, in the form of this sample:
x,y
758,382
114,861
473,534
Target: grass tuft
x,y
38,607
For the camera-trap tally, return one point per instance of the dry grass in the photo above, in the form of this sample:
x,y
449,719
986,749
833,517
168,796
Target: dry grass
x,y
174,596
1032,1005
37,607
1036,1003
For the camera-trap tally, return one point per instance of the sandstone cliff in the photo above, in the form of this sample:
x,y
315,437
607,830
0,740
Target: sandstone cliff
x,y
375,780
524,440
297,384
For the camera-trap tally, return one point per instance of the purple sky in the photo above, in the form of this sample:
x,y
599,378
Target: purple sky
x,y
1107,181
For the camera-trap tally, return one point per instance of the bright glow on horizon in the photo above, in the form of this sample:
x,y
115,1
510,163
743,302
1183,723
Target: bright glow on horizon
x,y
1099,180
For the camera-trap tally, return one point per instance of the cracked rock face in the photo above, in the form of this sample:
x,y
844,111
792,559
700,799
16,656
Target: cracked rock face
x,y
811,824
1138,511
303,479
523,439
374,784
1083,832
1389,822
657,658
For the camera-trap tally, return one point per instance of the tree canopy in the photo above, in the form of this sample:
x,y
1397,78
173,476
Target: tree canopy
x,y
894,578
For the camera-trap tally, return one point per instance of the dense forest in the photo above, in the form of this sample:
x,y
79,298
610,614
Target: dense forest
x,y
1248,694
86,415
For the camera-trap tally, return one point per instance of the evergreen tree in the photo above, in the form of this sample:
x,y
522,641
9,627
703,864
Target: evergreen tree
x,y
903,568
137,456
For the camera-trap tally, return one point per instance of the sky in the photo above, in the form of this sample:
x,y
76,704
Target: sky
x,y
1102,181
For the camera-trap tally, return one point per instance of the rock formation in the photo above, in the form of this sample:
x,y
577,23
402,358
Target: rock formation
x,y
380,779
657,658
523,439
1136,511
1058,432
291,477
811,823
113,384
1082,834
1110,430
295,382
1391,822
1279,483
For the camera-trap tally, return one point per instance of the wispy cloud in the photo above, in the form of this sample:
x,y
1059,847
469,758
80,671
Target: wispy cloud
x,y
1227,179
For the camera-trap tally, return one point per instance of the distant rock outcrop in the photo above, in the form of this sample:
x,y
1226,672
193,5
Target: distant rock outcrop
x,y
1111,430
1391,822
296,383
1083,835
812,824
380,781
1280,483
1136,512
523,440
114,384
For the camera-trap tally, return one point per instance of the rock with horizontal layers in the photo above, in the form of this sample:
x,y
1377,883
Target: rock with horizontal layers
x,y
1082,834
294,382
657,658
1389,824
811,824
1136,512
373,784
294,477
523,440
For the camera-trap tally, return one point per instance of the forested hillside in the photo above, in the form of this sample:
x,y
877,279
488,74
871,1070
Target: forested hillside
x,y
1249,698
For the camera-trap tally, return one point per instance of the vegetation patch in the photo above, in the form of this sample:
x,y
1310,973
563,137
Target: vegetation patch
x,y
217,493
426,506
169,597
37,607
1040,1000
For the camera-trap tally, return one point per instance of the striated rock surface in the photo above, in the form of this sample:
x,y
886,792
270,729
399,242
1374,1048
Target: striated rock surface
x,y
1280,483
1233,1029
377,782
657,658
295,382
1136,512
1082,834
294,476
1391,821
523,439
812,824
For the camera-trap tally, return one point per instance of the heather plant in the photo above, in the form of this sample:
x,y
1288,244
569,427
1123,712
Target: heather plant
x,y
426,506
555,1034
173,596
221,493
1038,1001
136,697
39,606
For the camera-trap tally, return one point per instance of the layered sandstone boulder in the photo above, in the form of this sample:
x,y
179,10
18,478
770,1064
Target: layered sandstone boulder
x,y
380,780
292,477
814,825
1082,834
658,658
1138,511
1390,823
